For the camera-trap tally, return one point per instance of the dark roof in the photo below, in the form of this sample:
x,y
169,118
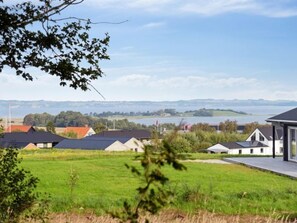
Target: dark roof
x,y
288,116
30,137
267,132
18,145
243,144
89,144
138,134
100,138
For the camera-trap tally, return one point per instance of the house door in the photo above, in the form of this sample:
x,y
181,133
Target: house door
x,y
292,136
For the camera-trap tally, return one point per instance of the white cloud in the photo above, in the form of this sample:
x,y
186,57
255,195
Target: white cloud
x,y
271,8
154,25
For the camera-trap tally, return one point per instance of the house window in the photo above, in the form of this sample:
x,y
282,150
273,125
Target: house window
x,y
253,138
261,150
251,151
239,151
261,138
44,145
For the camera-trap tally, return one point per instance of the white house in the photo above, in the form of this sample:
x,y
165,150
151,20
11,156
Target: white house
x,y
245,147
259,142
264,135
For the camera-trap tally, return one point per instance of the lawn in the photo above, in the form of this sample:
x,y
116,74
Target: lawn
x,y
104,183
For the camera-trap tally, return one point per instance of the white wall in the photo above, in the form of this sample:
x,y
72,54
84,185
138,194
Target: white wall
x,y
268,142
247,151
135,144
117,146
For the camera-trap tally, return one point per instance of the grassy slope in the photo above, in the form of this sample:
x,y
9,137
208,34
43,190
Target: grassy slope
x,y
104,182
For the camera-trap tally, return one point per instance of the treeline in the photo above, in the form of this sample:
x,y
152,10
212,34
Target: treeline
x,y
72,118
202,135
161,112
167,112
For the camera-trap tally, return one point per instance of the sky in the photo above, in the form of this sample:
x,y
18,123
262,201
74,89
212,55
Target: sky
x,y
182,49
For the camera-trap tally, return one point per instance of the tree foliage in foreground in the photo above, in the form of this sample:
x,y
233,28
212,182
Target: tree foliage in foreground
x,y
154,193
33,34
16,187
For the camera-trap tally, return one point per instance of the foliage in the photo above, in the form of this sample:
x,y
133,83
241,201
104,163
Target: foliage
x,y
72,180
38,119
50,127
228,126
199,140
153,195
202,127
99,127
58,48
250,127
69,134
16,187
72,118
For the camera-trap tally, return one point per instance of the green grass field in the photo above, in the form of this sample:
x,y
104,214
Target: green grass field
x,y
104,183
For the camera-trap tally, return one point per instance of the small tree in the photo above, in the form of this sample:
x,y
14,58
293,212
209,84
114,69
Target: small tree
x,y
154,194
16,187
50,127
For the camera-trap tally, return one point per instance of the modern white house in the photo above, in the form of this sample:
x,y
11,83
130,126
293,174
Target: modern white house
x,y
265,136
259,142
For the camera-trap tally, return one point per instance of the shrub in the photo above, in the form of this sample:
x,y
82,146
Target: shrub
x,y
16,187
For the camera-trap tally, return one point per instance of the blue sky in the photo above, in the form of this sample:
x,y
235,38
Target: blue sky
x,y
178,50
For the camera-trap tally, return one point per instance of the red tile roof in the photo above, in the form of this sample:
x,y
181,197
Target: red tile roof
x,y
19,128
80,131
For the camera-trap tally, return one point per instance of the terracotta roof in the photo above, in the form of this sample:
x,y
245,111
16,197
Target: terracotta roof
x,y
19,128
80,131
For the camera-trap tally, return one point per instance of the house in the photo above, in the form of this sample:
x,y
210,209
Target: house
x,y
259,142
23,139
20,128
139,134
81,132
244,147
286,121
132,143
265,135
92,144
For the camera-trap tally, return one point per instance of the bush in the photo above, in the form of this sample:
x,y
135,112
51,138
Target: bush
x,y
16,187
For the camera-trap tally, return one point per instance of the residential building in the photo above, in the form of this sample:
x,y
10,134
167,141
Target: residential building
x,y
286,121
23,139
80,132
259,142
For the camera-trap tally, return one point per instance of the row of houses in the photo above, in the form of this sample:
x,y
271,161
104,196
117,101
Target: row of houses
x,y
27,137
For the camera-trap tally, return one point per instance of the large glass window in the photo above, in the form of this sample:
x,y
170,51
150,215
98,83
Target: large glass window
x,y
292,143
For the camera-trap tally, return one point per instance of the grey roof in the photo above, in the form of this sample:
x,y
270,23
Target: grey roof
x,y
88,144
16,145
96,137
30,137
243,144
288,116
267,132
136,133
